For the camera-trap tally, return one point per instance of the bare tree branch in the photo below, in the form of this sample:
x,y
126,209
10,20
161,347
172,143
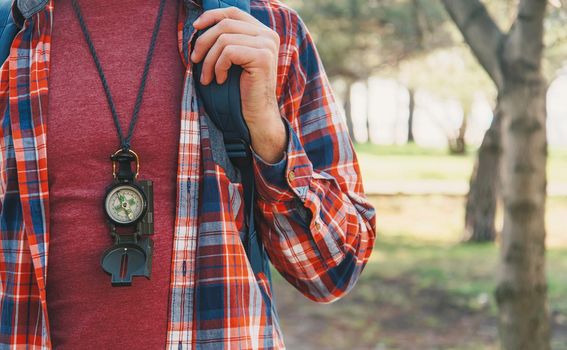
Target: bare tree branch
x,y
480,32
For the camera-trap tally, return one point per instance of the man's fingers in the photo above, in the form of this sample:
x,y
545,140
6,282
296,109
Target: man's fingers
x,y
233,37
245,56
206,40
209,18
225,40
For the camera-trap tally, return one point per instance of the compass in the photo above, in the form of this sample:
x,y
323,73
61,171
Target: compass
x,y
125,204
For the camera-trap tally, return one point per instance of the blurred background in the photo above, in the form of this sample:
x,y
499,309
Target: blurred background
x,y
421,110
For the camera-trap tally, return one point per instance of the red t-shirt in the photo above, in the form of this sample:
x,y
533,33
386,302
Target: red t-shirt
x,y
85,311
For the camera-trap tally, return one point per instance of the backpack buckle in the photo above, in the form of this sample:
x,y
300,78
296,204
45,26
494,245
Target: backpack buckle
x,y
238,151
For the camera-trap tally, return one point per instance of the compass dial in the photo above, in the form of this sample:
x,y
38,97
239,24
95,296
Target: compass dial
x,y
125,204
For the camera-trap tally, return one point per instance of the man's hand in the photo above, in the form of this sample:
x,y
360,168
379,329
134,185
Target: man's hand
x,y
235,37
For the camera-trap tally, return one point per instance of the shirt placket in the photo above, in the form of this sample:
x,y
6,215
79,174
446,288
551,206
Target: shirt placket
x,y
182,289
28,87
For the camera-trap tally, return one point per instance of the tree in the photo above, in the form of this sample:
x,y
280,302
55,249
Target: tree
x,y
442,72
357,38
411,93
480,209
513,60
483,196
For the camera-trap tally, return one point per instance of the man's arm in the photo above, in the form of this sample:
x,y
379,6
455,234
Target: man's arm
x,y
316,224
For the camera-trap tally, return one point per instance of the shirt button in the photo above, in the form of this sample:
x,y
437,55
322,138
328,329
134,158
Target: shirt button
x,y
291,176
317,226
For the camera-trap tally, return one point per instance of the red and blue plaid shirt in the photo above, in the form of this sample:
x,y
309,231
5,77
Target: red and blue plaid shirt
x,y
316,224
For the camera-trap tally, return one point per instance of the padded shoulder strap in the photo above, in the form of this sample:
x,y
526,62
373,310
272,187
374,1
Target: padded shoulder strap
x,y
223,105
8,29
244,5
222,102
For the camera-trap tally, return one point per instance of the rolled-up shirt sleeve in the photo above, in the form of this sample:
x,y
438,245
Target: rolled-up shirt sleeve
x,y
314,219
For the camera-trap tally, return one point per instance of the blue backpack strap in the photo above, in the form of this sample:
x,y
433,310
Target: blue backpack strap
x,y
8,29
244,5
223,105
222,102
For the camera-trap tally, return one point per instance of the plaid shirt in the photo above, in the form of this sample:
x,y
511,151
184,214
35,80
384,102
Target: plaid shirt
x,y
315,222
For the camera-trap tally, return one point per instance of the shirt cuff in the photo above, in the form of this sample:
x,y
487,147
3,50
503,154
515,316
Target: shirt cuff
x,y
287,179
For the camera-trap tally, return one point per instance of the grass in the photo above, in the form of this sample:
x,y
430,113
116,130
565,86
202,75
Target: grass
x,y
412,163
421,286
410,167
415,150
412,292
463,270
403,150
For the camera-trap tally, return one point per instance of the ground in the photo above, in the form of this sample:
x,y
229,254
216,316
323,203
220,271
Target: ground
x,y
422,288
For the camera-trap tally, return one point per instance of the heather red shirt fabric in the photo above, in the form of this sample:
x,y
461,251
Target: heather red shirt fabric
x,y
80,138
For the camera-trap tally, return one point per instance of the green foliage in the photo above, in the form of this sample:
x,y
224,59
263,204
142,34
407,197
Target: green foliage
x,y
415,42
444,72
556,40
504,13
358,37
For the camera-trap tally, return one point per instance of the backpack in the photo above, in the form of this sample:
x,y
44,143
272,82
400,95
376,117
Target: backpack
x,y
223,105
8,28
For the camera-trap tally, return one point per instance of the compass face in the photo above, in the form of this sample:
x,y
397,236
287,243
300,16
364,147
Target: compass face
x,y
125,204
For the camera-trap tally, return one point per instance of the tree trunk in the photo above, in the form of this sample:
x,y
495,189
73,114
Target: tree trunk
x,y
514,63
459,144
480,213
368,128
411,92
417,15
348,110
522,289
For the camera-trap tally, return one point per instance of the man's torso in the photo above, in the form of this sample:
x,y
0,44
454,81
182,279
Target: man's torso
x,y
81,136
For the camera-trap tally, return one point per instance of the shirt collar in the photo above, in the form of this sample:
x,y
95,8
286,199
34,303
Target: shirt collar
x,y
30,7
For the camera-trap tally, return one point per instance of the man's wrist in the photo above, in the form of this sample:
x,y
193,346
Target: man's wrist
x,y
269,141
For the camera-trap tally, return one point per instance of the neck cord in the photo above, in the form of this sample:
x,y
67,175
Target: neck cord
x,y
125,142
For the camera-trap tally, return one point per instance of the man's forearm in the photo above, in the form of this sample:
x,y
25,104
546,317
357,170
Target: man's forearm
x,y
318,232
269,139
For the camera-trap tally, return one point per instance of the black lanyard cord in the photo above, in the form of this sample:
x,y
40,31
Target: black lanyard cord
x,y
124,142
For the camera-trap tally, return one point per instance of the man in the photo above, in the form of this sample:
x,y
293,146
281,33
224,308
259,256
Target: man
x,y
58,131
